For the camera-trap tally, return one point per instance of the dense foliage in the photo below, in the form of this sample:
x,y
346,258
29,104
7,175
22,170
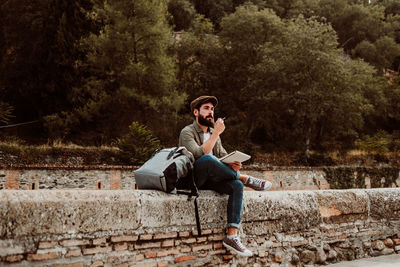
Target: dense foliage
x,y
290,75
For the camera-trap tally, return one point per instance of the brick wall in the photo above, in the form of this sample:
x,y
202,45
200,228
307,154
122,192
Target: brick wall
x,y
149,228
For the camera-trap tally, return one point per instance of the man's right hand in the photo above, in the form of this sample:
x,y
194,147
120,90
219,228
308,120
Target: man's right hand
x,y
219,126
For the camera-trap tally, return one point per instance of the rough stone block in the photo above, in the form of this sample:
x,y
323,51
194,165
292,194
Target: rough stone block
x,y
384,203
342,206
44,212
267,209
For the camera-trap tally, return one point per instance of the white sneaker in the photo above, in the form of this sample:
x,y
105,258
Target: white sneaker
x,y
257,184
237,246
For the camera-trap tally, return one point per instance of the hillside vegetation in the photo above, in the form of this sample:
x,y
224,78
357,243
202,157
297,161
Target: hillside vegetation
x,y
303,77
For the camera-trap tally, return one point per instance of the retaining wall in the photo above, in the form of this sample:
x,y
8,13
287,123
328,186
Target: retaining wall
x,y
28,177
150,228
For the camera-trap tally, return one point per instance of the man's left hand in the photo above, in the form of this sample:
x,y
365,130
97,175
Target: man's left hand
x,y
236,165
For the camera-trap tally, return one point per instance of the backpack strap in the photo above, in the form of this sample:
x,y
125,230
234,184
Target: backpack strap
x,y
194,192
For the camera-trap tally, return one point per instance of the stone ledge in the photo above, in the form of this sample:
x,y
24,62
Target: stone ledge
x,y
65,167
60,212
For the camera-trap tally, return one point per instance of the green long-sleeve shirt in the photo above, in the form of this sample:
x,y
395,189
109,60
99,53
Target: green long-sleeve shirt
x,y
192,137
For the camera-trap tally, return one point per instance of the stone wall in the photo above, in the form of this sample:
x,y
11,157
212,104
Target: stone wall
x,y
122,177
67,177
150,228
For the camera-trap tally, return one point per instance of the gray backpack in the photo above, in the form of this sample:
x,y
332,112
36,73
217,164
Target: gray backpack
x,y
167,170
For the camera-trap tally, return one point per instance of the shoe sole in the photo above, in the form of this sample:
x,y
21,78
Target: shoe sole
x,y
237,251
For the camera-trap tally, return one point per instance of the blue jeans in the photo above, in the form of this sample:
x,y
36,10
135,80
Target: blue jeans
x,y
210,173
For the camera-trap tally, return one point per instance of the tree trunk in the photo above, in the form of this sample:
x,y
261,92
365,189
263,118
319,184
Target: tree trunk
x,y
308,137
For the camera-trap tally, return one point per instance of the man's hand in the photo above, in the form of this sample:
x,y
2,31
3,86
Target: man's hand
x,y
236,165
219,126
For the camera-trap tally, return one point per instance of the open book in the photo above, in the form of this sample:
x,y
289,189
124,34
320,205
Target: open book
x,y
235,156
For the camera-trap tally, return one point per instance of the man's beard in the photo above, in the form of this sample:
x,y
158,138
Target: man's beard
x,y
205,122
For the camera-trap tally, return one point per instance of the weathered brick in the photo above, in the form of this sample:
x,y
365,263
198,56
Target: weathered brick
x,y
227,257
299,243
91,251
189,241
201,239
218,251
207,231
148,245
74,242
147,264
44,256
124,238
76,264
277,244
139,257
47,244
396,241
115,179
202,255
184,258
167,252
165,235
168,243
73,253
195,233
218,231
186,250
120,247
184,234
202,247
162,263
97,264
218,245
150,255
216,237
146,237
11,179
99,241
14,258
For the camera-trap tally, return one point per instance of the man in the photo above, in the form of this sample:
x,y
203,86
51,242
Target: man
x,y
202,138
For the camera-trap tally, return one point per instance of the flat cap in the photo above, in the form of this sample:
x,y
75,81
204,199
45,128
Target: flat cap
x,y
203,99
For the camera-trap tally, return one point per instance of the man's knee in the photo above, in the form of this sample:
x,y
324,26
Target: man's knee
x,y
237,186
207,160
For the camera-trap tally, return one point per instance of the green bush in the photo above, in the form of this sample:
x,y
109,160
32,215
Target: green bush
x,y
138,145
378,143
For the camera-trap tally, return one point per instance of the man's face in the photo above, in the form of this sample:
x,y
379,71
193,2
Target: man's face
x,y
205,114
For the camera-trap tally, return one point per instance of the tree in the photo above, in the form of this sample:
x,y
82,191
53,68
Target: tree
x,y
37,54
130,76
182,12
353,20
